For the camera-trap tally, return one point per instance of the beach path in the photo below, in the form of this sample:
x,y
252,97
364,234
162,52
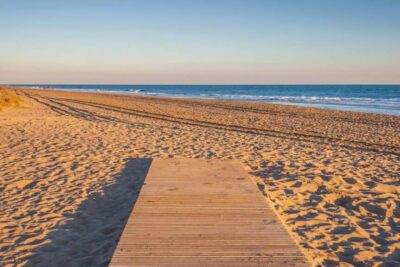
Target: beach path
x,y
203,213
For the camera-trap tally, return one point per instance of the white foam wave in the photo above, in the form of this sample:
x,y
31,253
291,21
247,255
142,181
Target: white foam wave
x,y
310,99
135,91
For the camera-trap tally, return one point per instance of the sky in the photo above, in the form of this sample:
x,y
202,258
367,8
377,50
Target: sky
x,y
200,41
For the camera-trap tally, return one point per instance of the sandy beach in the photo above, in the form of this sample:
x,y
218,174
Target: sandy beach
x,y
69,172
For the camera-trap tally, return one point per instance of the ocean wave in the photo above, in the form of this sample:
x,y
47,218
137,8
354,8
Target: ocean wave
x,y
135,91
307,99
31,87
323,100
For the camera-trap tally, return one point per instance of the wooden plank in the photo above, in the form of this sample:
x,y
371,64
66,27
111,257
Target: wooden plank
x,y
203,213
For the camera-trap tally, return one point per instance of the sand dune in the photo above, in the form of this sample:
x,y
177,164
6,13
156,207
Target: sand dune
x,y
69,176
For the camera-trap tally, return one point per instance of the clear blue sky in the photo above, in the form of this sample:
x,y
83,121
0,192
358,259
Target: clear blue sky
x,y
212,42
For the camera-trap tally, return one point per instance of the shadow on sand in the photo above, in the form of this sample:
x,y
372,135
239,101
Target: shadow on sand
x,y
91,234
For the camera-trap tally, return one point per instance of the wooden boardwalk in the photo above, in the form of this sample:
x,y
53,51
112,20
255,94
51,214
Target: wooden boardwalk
x,y
203,213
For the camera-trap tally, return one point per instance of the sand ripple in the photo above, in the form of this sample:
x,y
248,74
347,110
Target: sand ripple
x,y
69,172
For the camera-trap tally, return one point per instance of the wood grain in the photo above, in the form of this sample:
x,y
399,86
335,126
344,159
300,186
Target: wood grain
x,y
203,213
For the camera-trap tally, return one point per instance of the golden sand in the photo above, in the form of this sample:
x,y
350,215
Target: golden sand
x,y
69,177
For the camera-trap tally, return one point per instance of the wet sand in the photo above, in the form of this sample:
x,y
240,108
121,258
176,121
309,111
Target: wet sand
x,y
70,172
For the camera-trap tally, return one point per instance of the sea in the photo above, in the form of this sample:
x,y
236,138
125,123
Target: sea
x,y
382,99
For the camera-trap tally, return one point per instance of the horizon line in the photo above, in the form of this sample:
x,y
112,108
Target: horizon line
x,y
13,84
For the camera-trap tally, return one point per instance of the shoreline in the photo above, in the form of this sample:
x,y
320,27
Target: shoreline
x,y
369,109
331,176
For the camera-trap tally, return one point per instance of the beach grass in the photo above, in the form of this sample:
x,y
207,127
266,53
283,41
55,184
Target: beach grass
x,y
8,98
